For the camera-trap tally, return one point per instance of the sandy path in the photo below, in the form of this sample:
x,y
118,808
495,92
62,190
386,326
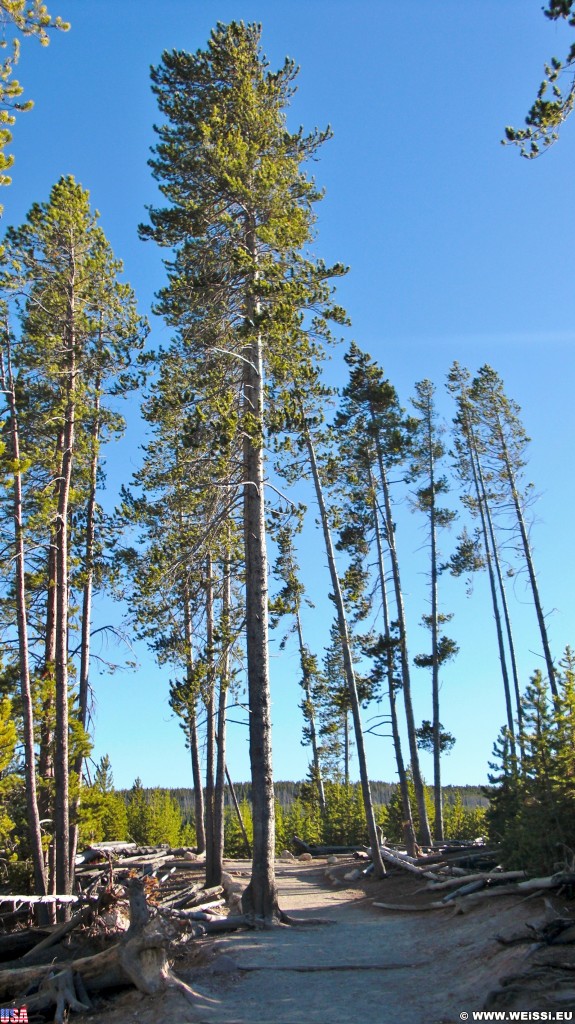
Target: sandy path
x,y
373,968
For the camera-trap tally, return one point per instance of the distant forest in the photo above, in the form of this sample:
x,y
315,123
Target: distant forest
x,y
287,792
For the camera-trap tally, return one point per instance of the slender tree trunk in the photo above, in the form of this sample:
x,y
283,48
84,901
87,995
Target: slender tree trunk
x,y
437,791
346,748
238,813
310,715
472,473
210,728
260,899
378,864
219,792
198,787
490,556
507,620
193,729
408,830
528,560
405,673
89,548
46,740
61,767
32,814
46,743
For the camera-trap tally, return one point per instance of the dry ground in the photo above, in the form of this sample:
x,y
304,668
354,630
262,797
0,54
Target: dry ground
x,y
368,965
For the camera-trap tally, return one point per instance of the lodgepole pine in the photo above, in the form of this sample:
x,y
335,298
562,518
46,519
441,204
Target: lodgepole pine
x,y
239,214
371,408
7,383
348,660
427,450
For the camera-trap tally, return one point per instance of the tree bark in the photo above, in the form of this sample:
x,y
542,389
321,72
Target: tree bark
x,y
193,729
61,767
437,791
219,792
260,899
23,651
84,681
210,728
408,830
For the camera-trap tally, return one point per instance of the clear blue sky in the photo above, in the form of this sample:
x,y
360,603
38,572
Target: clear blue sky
x,y
458,249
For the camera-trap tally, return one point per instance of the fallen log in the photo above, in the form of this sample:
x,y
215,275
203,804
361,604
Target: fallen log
x,y
465,890
548,882
178,897
321,851
477,897
410,907
400,861
24,900
491,878
140,958
100,850
16,944
59,933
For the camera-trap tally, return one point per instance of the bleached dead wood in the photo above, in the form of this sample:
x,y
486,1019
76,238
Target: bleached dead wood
x,y
22,900
411,907
548,882
139,958
465,890
491,878
178,897
486,894
200,908
399,861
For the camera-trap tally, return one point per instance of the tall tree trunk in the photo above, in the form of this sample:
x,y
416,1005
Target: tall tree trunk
x,y
528,560
197,780
89,548
310,715
507,620
490,557
472,473
346,748
437,791
219,792
408,829
61,766
33,817
260,899
210,728
378,864
425,833
46,739
193,728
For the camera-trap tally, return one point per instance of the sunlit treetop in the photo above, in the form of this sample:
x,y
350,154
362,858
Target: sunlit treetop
x,y
29,18
554,103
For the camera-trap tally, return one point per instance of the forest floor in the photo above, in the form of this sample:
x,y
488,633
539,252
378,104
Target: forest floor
x,y
369,964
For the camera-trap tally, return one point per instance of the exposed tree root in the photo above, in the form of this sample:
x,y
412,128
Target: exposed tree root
x,y
139,959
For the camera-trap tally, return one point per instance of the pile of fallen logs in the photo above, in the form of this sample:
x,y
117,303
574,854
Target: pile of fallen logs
x,y
447,872
138,903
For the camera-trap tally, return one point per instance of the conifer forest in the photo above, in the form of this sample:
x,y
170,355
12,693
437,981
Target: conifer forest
x,y
263,478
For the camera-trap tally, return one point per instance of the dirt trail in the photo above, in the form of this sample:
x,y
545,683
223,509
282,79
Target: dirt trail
x,y
369,965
